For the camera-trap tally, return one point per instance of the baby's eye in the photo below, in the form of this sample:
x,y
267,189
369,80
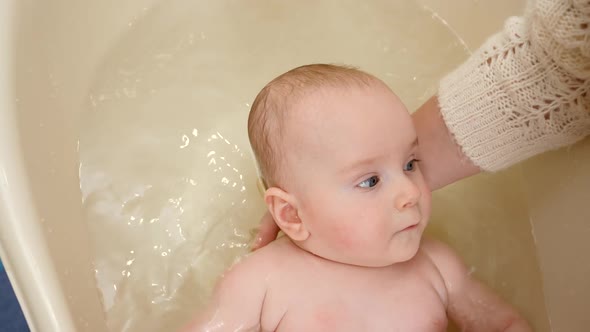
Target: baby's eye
x,y
370,182
411,166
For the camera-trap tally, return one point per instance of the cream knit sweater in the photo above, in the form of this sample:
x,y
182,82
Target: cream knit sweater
x,y
526,90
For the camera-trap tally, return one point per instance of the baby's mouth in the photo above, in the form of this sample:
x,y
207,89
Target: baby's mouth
x,y
410,227
411,221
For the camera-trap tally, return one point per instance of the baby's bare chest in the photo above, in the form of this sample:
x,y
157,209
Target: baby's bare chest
x,y
355,301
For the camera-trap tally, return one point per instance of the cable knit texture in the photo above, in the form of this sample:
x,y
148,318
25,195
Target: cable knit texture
x,y
526,90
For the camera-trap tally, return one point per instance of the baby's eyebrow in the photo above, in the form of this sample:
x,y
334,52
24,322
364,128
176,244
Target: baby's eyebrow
x,y
359,164
371,160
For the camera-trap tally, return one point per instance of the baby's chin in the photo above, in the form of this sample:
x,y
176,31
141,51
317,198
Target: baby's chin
x,y
397,253
405,254
394,256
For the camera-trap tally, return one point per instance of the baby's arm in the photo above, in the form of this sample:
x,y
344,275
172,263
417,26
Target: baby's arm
x,y
472,305
237,301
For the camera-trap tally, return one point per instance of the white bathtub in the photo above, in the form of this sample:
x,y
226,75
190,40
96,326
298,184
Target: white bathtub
x,y
49,51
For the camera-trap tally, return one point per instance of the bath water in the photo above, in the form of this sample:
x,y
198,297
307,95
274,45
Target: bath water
x,y
167,176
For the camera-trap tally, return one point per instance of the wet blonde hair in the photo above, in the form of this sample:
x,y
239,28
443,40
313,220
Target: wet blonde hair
x,y
279,97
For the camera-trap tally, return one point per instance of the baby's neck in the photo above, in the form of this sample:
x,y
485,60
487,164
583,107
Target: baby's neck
x,y
301,249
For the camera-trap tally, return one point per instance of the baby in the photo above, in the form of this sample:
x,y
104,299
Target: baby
x,y
340,157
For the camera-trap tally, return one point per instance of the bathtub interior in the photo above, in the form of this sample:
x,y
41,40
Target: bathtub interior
x,y
86,155
558,187
167,182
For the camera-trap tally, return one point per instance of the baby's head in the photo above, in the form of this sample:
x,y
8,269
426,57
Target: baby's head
x,y
338,152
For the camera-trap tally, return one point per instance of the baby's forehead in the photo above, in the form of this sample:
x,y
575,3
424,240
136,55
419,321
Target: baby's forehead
x,y
345,109
322,108
310,114
319,99
307,112
324,102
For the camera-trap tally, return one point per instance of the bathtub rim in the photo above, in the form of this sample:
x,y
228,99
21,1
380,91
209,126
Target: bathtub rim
x,y
23,249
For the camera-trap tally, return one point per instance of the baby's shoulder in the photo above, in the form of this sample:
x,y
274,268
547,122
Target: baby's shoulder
x,y
266,259
443,263
440,254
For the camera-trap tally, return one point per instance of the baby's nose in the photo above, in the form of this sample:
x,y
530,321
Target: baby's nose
x,y
408,195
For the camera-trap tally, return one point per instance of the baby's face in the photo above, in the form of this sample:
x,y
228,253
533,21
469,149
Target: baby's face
x,y
352,161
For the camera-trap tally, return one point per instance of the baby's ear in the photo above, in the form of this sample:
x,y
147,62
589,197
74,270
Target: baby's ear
x,y
283,208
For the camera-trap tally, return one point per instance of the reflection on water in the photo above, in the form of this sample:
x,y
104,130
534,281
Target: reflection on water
x,y
167,176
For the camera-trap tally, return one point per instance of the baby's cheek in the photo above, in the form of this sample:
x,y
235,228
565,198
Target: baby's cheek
x,y
348,227
354,235
345,236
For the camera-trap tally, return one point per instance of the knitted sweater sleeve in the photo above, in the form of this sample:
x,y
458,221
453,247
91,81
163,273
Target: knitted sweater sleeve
x,y
526,89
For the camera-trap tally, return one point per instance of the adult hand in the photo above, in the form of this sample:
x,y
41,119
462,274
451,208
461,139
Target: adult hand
x,y
267,232
442,161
